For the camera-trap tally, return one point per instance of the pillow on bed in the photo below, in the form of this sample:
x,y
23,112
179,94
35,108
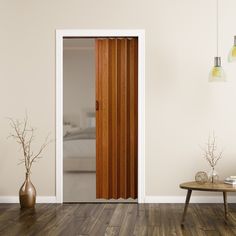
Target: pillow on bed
x,y
69,129
88,133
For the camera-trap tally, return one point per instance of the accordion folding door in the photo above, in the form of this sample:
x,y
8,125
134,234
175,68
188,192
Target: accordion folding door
x,y
116,118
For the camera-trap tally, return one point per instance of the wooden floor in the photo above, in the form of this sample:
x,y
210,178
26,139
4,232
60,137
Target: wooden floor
x,y
116,219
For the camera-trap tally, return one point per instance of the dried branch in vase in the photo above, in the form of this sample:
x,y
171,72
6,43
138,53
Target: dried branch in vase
x,y
211,155
24,135
210,152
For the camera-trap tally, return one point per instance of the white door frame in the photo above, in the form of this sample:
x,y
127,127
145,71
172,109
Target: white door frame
x,y
59,101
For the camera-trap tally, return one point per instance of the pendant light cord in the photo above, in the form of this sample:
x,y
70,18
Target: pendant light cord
x,y
217,27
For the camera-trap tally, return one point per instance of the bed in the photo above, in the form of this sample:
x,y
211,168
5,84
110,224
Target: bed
x,y
79,150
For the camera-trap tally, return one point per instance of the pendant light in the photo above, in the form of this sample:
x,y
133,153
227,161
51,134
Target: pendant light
x,y
232,53
217,73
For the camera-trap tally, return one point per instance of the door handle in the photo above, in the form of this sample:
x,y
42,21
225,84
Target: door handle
x,y
97,105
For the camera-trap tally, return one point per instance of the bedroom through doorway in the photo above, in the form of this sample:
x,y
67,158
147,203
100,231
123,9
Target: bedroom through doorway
x,y
100,119
79,122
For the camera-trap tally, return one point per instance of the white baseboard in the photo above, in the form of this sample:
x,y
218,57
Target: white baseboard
x,y
39,199
194,199
148,199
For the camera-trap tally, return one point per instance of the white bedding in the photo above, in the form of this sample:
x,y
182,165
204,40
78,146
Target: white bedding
x,y
79,148
79,155
88,133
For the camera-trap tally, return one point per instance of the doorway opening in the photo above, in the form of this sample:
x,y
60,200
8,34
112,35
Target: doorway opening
x,y
80,72
79,121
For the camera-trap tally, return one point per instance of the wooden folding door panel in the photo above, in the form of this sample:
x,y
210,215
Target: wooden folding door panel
x,y
116,117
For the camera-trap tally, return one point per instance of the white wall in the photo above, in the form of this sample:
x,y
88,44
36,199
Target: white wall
x,y
181,106
79,82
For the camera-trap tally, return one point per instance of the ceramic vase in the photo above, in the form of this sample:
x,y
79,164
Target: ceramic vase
x,y
27,193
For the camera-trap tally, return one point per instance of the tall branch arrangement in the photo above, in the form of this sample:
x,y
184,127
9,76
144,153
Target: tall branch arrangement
x,y
210,151
24,135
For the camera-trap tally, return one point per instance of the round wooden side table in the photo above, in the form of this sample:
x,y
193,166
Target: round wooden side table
x,y
219,186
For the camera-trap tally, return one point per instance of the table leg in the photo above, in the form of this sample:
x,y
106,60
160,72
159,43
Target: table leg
x,y
225,205
186,205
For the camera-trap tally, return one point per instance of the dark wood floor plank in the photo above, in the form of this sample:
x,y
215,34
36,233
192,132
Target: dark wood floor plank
x,y
127,227
112,231
118,215
202,217
177,211
8,215
168,223
62,216
91,215
153,213
221,226
176,216
117,219
5,207
27,218
85,220
103,221
43,219
16,219
140,228
194,226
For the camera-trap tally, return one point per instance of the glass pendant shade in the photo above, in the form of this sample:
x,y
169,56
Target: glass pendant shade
x,y
232,53
217,73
